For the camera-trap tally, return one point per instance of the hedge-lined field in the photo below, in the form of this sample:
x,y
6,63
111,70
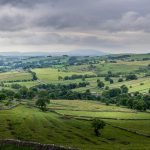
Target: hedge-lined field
x,y
14,76
49,75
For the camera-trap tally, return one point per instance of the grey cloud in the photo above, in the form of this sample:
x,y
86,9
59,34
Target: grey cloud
x,y
81,15
130,21
77,16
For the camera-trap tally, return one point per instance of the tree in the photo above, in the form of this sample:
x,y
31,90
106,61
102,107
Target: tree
x,y
60,78
42,103
17,96
31,94
107,78
109,73
112,93
16,86
131,77
2,96
34,76
111,81
124,89
139,105
100,84
120,80
23,92
97,125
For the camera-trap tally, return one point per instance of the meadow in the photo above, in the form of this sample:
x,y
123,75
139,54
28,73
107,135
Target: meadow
x,y
49,75
15,75
29,123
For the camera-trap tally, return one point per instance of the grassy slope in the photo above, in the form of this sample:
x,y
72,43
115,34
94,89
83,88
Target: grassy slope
x,y
15,75
51,128
85,105
87,108
136,85
27,84
119,67
117,115
49,75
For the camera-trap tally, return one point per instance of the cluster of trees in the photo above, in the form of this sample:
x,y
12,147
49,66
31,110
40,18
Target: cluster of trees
x,y
11,81
120,96
109,75
75,76
81,60
131,77
54,87
21,93
43,93
107,78
65,92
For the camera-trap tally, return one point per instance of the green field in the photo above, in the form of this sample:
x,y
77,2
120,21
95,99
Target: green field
x,y
52,128
15,75
28,84
141,84
85,105
119,67
49,75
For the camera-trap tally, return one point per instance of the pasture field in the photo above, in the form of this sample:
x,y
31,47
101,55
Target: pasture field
x,y
95,109
85,105
140,56
15,75
141,84
141,126
49,75
116,68
29,123
105,115
130,119
28,84
103,68
134,63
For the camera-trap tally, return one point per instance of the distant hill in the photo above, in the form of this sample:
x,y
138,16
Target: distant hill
x,y
81,52
130,56
23,54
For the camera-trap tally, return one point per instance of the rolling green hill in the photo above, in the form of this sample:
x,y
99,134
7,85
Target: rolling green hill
x,y
28,123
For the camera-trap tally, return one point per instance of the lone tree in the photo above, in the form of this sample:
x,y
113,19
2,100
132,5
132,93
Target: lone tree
x,y
97,125
100,84
124,89
42,103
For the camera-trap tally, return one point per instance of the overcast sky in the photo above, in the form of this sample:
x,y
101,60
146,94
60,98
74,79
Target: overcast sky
x,y
114,26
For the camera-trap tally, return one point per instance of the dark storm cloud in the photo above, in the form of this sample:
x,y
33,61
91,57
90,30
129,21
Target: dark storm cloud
x,y
106,21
